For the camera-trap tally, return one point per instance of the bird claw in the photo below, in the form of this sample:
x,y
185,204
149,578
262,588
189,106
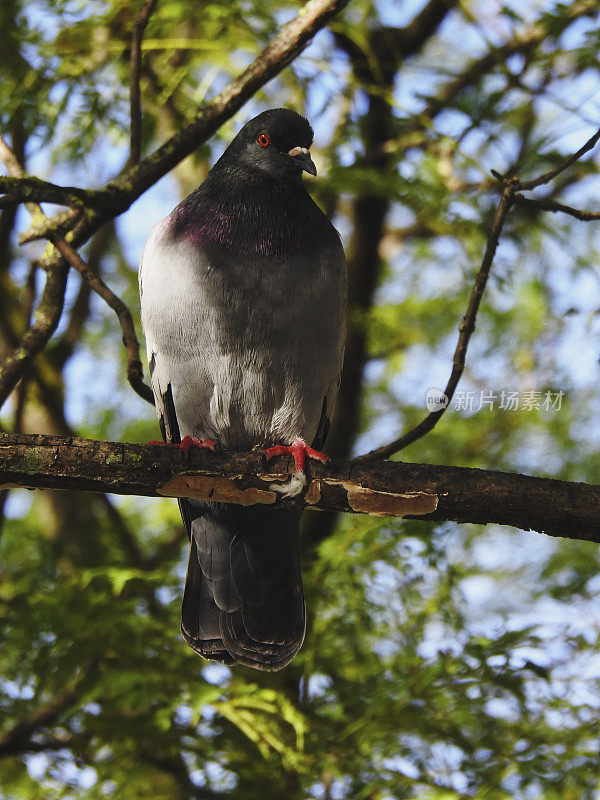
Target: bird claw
x,y
300,450
188,442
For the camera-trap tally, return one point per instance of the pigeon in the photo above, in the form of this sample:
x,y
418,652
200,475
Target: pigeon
x,y
243,300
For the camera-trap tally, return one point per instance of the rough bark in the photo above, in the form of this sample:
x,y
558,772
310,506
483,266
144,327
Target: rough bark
x,y
419,491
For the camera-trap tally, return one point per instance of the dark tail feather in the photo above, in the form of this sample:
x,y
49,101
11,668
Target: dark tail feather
x,y
243,597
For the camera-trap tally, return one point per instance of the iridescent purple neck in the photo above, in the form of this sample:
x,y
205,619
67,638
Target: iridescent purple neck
x,y
266,218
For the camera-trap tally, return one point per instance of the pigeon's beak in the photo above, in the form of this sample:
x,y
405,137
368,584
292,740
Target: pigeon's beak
x,y
302,157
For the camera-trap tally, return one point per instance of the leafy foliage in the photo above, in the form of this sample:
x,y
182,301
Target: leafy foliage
x,y
440,661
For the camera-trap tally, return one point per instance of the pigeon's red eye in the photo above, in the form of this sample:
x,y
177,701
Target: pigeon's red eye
x,y
263,140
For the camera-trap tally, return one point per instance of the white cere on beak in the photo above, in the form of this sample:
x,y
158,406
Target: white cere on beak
x,y
298,151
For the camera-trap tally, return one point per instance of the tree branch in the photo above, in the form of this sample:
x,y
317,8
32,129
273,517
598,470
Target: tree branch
x,y
38,334
16,738
135,371
509,187
135,139
548,176
466,328
43,227
80,308
49,310
28,189
543,204
119,194
419,491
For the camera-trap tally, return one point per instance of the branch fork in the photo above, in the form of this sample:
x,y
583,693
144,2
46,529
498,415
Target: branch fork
x,y
510,186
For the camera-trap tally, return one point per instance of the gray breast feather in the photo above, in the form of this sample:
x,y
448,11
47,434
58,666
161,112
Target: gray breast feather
x,y
250,347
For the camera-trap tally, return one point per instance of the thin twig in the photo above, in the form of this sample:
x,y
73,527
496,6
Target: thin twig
x,y
552,205
466,328
510,186
548,176
135,371
135,146
80,308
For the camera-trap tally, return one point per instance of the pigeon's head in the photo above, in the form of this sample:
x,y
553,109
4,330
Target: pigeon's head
x,y
276,142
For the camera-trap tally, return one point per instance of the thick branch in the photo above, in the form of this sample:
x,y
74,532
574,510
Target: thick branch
x,y
293,37
34,190
419,491
118,195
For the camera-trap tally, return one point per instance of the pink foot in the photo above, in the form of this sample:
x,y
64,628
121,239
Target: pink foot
x,y
188,442
300,450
